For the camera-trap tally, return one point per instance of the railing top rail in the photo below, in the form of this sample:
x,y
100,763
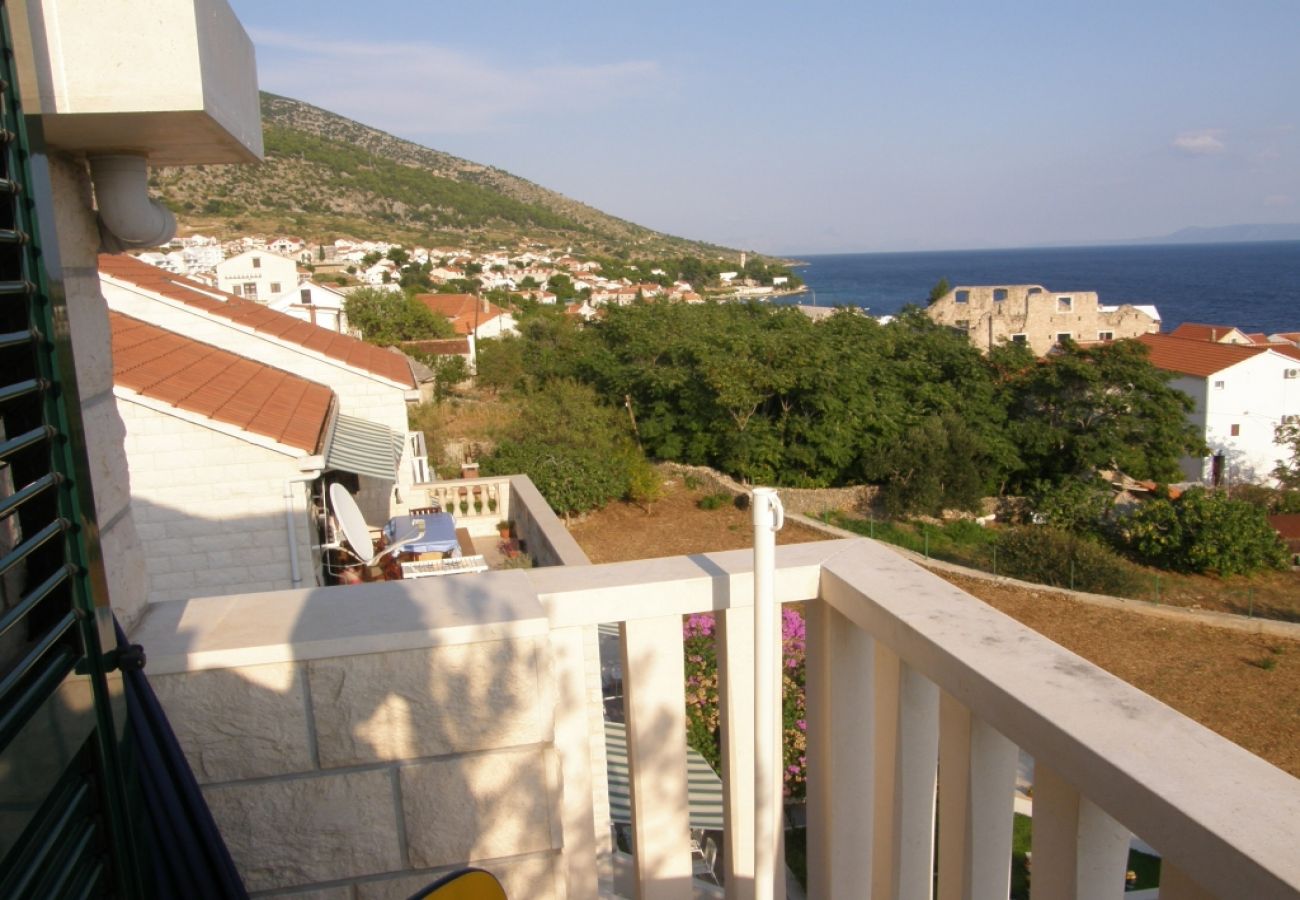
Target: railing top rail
x,y
1224,816
677,585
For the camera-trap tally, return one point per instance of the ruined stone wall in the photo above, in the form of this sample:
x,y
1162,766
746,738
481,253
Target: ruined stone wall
x,y
1037,314
808,501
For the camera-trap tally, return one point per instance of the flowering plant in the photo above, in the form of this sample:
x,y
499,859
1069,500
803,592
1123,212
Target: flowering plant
x,y
703,733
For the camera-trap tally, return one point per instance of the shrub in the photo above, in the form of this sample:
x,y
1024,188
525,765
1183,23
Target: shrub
x,y
702,711
1073,504
1204,532
644,486
1048,555
575,450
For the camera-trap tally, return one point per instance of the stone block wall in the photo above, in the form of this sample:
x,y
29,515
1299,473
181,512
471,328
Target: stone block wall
x,y
367,776
208,507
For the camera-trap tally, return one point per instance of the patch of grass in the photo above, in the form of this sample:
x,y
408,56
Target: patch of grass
x,y
964,541
714,501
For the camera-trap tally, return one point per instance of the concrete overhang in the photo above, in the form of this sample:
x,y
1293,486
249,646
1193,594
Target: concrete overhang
x,y
173,80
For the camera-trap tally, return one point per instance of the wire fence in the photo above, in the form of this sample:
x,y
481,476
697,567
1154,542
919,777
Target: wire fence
x,y
1044,556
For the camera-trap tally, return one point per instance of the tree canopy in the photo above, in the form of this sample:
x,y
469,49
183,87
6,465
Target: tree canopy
x,y
387,317
769,396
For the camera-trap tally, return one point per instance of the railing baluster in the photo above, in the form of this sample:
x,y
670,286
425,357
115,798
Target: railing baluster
x,y
1080,852
977,781
907,756
655,706
841,758
735,642
572,742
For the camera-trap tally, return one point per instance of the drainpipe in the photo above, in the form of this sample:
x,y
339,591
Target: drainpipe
x,y
768,516
290,524
128,217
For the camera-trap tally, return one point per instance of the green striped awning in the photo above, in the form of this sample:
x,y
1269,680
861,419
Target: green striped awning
x,y
364,447
703,786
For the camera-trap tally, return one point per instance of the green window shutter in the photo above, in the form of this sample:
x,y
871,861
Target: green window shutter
x,y
67,796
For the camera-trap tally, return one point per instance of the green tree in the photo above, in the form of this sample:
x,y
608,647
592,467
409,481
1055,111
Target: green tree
x,y
1087,409
937,292
1288,469
398,255
388,317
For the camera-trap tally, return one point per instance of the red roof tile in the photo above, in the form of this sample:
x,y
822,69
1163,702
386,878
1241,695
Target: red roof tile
x,y
1195,331
1195,357
341,347
220,385
461,309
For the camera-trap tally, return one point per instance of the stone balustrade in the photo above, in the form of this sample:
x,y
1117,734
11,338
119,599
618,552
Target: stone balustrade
x,y
355,741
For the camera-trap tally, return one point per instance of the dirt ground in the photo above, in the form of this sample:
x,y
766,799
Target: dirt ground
x,y
1245,687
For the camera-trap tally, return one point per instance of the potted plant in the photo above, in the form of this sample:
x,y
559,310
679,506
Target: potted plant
x,y
503,529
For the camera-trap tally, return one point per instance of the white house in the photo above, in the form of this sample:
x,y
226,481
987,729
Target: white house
x,y
314,303
371,384
1242,394
213,441
470,315
256,275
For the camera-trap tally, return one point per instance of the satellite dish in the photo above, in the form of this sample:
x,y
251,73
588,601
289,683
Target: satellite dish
x,y
356,533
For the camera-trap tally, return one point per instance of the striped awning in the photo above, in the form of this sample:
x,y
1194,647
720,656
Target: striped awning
x,y
364,447
704,788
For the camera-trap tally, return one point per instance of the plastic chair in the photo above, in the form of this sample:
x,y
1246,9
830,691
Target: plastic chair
x,y
466,884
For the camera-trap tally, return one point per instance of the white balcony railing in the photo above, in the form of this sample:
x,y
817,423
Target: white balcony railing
x,y
912,683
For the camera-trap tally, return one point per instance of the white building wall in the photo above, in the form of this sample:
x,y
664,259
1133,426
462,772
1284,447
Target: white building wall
x,y
78,245
1254,396
360,393
271,273
209,508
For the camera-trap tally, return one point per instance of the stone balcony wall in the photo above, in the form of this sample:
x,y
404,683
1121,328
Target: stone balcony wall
x,y
367,774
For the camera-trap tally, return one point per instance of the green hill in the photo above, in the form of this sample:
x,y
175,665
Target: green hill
x,y
326,176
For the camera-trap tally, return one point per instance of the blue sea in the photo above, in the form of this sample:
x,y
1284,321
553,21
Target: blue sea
x,y
1255,287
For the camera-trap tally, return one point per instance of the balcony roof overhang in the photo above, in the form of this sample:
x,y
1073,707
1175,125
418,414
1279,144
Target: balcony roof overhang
x,y
172,80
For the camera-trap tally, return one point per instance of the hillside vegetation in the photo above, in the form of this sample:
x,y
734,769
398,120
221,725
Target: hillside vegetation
x,y
326,176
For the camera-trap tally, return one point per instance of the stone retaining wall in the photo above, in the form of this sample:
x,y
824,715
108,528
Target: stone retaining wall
x,y
808,501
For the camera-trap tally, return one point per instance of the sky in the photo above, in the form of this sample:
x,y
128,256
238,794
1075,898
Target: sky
x,y
825,127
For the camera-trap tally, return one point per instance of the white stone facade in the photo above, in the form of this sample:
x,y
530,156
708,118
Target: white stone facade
x,y
209,508
1040,318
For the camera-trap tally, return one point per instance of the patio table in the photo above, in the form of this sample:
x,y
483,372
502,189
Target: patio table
x,y
439,533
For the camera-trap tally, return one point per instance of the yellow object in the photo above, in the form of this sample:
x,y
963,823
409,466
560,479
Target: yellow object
x,y
468,884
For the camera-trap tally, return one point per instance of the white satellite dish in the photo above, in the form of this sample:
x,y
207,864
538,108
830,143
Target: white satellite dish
x,y
355,531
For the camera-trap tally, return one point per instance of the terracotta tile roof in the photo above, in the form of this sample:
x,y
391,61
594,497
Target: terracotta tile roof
x,y
460,309
448,347
220,385
341,347
1195,357
1195,331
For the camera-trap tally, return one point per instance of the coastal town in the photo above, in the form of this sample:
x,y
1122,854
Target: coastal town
x,y
528,552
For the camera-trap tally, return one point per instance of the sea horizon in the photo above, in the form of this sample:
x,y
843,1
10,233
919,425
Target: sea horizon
x,y
1246,284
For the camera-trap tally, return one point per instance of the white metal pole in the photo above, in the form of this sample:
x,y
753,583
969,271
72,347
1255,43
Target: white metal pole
x,y
768,517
